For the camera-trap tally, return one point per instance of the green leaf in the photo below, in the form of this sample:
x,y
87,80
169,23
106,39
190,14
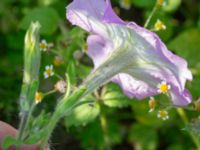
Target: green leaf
x,y
144,3
114,97
47,17
83,114
37,127
94,129
144,136
87,136
186,44
194,87
9,141
77,34
194,127
47,2
36,136
176,147
71,70
83,71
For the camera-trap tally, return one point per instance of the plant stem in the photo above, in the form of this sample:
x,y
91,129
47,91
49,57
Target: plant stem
x,y
68,85
58,76
151,15
50,127
183,116
54,120
49,92
104,127
55,52
66,105
23,123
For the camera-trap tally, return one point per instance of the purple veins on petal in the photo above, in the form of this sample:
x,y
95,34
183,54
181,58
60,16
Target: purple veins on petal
x,y
127,54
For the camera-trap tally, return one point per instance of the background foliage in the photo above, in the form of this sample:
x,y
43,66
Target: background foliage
x,y
112,120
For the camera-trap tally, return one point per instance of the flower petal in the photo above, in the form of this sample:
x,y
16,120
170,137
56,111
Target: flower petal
x,y
98,49
180,98
130,55
133,88
86,14
181,65
110,16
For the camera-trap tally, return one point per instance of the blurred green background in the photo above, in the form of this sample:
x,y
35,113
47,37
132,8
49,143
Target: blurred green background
x,y
119,123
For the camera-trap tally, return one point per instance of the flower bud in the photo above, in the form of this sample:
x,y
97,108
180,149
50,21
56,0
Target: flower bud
x,y
58,61
163,114
32,53
32,57
61,86
77,55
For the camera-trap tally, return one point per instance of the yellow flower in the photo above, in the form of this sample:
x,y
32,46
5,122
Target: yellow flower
x,y
58,61
38,97
163,87
43,45
152,104
163,114
48,71
159,25
126,4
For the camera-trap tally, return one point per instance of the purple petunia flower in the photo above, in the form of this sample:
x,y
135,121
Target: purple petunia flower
x,y
129,55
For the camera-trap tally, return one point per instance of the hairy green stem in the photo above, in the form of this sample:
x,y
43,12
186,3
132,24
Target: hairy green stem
x,y
27,94
104,127
183,116
50,127
66,105
24,123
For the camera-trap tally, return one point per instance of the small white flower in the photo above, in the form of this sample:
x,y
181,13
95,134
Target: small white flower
x,y
163,114
163,87
152,104
48,71
38,97
43,45
58,61
159,25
